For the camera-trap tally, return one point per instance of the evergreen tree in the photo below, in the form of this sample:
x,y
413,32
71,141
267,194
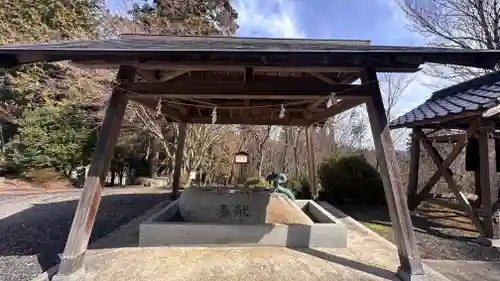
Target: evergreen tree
x,y
55,103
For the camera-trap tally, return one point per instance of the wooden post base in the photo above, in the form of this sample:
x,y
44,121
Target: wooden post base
x,y
405,276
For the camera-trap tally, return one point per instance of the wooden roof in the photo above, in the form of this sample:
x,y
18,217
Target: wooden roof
x,y
455,105
236,50
247,80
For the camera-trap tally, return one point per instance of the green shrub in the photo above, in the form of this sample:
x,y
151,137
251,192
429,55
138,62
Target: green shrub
x,y
256,182
350,179
300,187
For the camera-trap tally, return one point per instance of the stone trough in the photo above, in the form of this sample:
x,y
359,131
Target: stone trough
x,y
168,228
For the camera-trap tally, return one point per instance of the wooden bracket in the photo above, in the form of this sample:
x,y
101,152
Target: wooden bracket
x,y
448,176
458,147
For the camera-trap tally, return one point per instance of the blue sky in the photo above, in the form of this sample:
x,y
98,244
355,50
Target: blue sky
x,y
380,21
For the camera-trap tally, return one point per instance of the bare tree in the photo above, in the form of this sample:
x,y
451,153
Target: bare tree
x,y
468,24
393,87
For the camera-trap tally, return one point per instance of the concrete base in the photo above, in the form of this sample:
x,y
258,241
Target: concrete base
x,y
326,232
405,276
75,276
489,242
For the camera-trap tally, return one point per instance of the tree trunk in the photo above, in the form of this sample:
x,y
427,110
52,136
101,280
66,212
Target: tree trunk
x,y
121,174
113,177
153,157
261,150
283,156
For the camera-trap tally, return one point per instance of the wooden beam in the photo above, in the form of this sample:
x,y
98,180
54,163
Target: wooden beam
x,y
232,66
279,87
323,78
170,112
337,108
147,75
312,107
203,96
488,181
249,121
172,75
414,166
219,78
409,256
448,176
249,104
71,266
248,75
311,161
446,138
457,148
179,155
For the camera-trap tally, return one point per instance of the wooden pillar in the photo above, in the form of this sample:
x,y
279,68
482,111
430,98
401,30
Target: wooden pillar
x,y
71,266
409,256
414,166
477,189
311,161
488,182
179,155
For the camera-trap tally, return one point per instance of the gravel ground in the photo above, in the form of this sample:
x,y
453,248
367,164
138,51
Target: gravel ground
x,y
34,228
467,270
443,232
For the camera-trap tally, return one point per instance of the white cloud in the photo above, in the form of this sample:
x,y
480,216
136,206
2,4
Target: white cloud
x,y
268,18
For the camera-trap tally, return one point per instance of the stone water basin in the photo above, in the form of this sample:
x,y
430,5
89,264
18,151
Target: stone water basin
x,y
242,224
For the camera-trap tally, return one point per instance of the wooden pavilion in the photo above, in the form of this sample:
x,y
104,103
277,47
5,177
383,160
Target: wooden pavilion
x,y
466,115
244,81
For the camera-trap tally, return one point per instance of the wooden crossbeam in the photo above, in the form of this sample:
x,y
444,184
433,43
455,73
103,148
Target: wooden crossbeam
x,y
416,200
323,78
172,75
337,108
234,89
230,66
170,112
202,96
224,120
446,138
448,176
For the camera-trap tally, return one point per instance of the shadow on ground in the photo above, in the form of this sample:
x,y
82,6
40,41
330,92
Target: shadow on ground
x,y
42,230
443,231
366,268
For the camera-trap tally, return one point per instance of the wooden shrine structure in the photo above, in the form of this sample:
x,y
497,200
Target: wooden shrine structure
x,y
244,81
466,115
